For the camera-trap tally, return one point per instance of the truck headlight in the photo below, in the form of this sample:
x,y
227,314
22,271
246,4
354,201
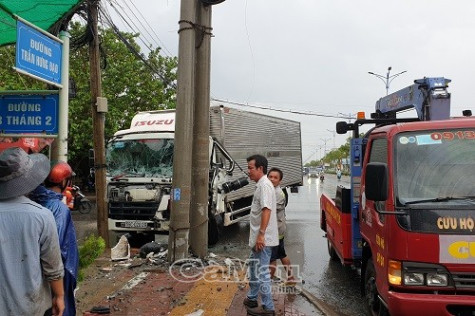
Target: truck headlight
x,y
412,278
425,274
435,279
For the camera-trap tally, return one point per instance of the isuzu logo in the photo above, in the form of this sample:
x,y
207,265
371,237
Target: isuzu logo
x,y
154,122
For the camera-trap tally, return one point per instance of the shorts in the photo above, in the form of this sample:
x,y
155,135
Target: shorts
x,y
278,252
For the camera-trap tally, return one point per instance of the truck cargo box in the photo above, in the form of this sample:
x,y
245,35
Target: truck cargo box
x,y
245,133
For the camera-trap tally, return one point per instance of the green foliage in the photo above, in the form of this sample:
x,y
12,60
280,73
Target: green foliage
x,y
92,248
127,82
12,80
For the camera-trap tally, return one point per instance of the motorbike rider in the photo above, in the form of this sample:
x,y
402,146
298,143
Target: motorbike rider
x,y
50,195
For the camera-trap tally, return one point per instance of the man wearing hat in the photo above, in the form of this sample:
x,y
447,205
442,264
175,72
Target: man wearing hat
x,y
31,268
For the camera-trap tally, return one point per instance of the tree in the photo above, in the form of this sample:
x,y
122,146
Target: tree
x,y
129,84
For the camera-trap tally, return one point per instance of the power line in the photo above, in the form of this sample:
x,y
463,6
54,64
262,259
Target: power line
x,y
147,45
132,49
282,110
153,31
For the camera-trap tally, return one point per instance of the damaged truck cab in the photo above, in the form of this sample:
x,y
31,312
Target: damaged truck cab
x,y
140,167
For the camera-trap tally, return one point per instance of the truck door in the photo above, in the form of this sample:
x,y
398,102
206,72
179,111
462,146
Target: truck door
x,y
372,222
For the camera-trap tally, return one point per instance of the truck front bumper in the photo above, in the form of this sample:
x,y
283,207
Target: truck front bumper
x,y
408,304
137,225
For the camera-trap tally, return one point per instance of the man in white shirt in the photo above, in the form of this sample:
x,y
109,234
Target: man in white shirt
x,y
262,237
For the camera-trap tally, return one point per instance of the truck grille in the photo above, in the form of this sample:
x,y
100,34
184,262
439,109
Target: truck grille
x,y
131,210
464,281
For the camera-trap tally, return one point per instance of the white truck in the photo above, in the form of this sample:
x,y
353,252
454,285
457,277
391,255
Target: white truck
x,y
140,167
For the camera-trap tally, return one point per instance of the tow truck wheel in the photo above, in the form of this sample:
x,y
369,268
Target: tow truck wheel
x,y
331,251
372,302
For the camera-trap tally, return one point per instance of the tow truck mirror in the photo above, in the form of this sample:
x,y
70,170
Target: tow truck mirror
x,y
342,127
376,181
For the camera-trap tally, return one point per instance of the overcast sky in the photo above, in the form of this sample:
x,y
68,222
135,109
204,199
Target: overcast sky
x,y
311,55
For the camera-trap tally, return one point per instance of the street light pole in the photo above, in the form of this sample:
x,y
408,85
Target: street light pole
x,y
387,80
325,146
334,134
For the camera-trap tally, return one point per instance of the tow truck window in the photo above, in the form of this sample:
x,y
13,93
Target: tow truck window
x,y
379,153
379,150
435,164
140,158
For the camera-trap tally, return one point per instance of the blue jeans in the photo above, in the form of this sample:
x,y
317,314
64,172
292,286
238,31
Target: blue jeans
x,y
259,277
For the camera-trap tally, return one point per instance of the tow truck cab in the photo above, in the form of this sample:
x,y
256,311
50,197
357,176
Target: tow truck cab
x,y
417,216
408,218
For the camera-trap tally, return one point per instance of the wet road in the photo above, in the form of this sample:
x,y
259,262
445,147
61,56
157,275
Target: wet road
x,y
307,248
304,243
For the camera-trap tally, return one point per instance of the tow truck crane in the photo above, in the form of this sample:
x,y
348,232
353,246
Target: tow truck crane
x,y
408,218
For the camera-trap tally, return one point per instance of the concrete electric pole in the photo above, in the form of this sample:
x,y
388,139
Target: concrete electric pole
x,y
200,165
182,162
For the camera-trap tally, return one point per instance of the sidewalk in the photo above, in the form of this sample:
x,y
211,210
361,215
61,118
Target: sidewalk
x,y
139,287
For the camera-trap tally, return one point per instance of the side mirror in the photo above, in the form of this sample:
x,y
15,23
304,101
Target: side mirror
x,y
342,127
376,181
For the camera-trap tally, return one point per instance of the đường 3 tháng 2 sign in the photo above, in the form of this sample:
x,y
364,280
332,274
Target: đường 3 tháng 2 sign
x,y
29,114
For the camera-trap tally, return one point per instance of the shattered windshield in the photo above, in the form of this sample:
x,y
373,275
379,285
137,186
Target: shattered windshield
x,y
437,165
140,158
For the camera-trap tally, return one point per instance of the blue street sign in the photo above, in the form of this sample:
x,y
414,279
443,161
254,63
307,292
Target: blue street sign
x,y
38,54
29,114
176,194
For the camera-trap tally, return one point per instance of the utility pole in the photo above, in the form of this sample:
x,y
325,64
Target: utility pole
x,y
98,120
334,135
200,165
325,146
179,228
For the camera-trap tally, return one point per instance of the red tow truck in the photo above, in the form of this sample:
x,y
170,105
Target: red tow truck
x,y
408,218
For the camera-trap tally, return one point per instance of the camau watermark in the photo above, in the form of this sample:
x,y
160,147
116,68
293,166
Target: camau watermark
x,y
234,271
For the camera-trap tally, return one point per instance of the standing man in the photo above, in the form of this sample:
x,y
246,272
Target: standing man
x,y
275,176
51,196
30,259
262,237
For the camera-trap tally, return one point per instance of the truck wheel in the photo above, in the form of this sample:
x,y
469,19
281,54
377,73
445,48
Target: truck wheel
x,y
331,251
213,230
371,295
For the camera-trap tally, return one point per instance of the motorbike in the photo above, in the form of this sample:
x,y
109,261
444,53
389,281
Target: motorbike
x,y
338,175
90,183
77,200
322,177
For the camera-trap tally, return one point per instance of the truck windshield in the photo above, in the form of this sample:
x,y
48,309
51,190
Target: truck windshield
x,y
435,166
140,158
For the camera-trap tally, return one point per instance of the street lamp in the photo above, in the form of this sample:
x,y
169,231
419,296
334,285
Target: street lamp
x,y
387,80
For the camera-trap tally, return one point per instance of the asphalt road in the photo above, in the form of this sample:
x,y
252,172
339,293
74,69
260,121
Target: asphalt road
x,y
306,247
